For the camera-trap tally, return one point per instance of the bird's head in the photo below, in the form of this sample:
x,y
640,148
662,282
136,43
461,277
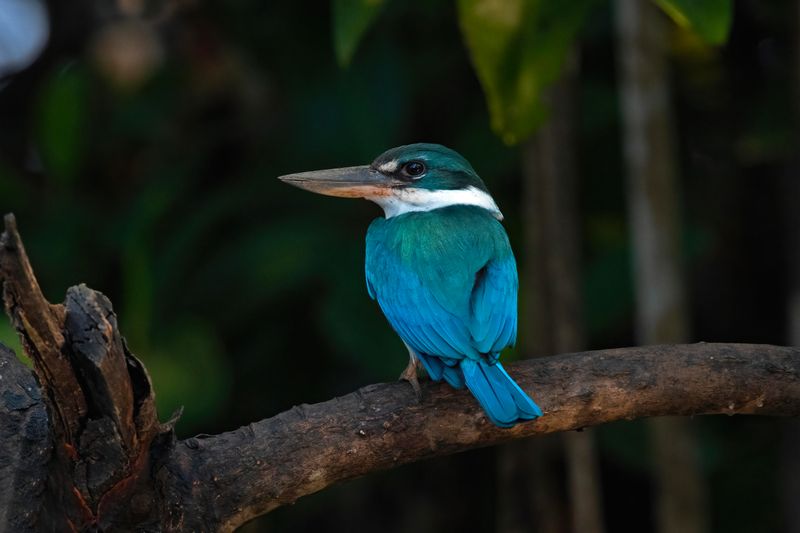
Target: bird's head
x,y
414,177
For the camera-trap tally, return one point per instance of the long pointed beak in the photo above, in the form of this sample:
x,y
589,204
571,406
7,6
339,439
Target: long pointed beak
x,y
349,182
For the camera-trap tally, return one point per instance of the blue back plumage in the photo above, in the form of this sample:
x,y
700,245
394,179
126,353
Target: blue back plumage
x,y
446,280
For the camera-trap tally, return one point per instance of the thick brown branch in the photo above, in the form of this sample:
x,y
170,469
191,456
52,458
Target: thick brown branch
x,y
273,462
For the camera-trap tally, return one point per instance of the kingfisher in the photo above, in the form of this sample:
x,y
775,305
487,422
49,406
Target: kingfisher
x,y
441,268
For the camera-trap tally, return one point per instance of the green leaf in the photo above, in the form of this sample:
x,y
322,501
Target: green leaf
x,y
351,18
518,48
710,19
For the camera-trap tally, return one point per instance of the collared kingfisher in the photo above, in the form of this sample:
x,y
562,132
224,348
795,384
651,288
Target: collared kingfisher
x,y
441,268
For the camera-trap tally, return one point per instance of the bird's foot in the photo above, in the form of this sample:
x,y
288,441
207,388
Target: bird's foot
x,y
410,375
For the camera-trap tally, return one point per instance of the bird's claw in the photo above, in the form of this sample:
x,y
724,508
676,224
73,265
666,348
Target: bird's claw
x,y
410,375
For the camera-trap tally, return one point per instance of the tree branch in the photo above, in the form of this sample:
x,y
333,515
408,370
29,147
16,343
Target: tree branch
x,y
125,471
301,451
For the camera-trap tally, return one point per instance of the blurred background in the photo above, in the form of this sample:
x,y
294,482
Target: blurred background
x,y
645,155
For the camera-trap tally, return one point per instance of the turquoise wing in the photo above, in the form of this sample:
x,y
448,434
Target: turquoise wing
x,y
493,304
447,283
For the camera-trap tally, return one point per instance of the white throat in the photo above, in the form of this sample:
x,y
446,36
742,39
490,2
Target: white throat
x,y
410,199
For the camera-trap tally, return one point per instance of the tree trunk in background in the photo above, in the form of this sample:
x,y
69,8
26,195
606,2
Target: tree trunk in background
x,y
661,309
552,293
791,199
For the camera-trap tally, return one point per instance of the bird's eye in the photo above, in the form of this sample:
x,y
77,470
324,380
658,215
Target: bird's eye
x,y
414,169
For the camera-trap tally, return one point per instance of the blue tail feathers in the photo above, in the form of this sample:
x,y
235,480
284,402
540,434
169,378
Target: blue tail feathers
x,y
503,400
438,368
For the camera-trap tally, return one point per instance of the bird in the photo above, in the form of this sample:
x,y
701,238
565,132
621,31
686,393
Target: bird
x,y
440,265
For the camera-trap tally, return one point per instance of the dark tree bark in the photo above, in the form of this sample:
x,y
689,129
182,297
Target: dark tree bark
x,y
118,469
25,446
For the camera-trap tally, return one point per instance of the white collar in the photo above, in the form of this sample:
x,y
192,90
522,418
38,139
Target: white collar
x,y
412,199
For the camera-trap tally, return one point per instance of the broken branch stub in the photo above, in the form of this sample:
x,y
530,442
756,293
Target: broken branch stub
x,y
99,395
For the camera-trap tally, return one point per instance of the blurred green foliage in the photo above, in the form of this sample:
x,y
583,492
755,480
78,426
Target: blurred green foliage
x,y
62,110
519,48
351,18
710,19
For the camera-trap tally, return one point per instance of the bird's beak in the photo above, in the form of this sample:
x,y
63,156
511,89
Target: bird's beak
x,y
350,182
